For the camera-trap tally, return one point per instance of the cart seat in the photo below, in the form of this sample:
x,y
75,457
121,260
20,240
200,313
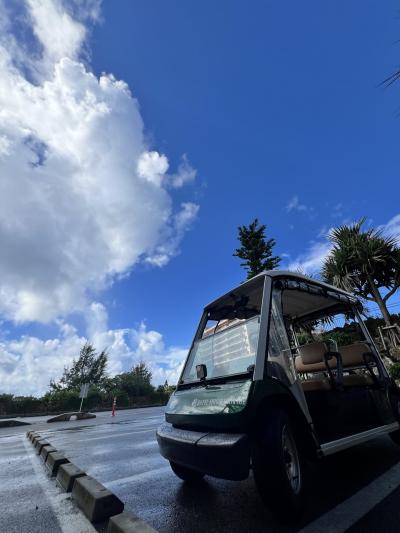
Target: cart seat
x,y
352,354
316,385
357,380
352,357
311,360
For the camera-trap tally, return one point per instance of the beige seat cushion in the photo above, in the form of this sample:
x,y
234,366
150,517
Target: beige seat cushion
x,y
311,358
312,368
352,354
313,352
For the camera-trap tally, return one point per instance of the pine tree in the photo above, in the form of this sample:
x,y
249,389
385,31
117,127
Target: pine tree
x,y
89,368
255,250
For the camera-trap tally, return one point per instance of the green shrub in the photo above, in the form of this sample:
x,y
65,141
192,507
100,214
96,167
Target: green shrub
x,y
26,405
94,399
63,400
342,338
122,399
6,401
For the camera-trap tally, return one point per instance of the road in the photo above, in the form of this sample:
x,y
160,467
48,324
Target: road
x,y
122,453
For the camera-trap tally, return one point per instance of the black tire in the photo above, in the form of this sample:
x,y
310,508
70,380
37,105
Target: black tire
x,y
394,395
278,466
395,436
186,474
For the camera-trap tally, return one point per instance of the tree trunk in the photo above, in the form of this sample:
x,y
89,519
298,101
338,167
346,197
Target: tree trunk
x,y
379,300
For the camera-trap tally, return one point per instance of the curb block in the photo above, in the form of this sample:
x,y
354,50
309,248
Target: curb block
x,y
67,474
96,502
39,445
35,438
46,450
12,423
54,460
128,523
66,417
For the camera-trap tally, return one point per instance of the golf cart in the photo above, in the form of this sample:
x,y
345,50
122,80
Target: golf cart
x,y
281,369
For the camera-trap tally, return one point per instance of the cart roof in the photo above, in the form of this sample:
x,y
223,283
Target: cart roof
x,y
291,276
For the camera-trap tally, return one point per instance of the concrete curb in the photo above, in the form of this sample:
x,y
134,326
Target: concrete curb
x,y
39,444
53,461
45,452
96,501
32,434
67,474
66,417
12,423
36,437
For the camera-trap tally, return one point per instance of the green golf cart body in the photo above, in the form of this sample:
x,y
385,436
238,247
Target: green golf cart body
x,y
281,370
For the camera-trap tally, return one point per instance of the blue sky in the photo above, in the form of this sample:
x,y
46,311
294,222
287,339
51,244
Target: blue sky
x,y
268,103
273,112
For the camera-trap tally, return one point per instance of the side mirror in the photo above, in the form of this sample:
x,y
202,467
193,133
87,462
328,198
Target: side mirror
x,y
250,369
201,371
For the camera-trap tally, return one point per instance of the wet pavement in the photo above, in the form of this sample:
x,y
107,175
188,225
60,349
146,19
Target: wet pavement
x,y
122,453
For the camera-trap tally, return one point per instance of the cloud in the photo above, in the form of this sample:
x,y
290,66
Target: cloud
x,y
152,167
27,365
185,174
310,262
392,228
83,198
65,41
295,205
173,235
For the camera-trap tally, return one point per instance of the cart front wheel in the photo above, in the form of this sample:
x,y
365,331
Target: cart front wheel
x,y
278,466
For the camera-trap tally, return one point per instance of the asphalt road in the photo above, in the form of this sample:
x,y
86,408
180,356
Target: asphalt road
x,y
122,453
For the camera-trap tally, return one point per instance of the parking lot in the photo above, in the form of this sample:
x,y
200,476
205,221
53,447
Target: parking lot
x,y
122,454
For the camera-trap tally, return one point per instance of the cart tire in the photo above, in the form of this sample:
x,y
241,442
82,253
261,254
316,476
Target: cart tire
x,y
186,474
395,436
278,466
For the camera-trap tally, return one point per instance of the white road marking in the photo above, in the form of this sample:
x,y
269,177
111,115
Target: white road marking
x,y
144,476
70,519
344,515
60,439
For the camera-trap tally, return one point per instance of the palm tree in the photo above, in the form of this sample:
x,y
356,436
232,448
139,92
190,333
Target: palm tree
x,y
364,262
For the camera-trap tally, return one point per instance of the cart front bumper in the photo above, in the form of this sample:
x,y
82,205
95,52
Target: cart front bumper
x,y
222,455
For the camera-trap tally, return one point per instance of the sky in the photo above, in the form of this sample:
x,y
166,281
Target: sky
x,y
136,136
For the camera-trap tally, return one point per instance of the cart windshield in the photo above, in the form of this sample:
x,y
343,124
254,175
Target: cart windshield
x,y
227,352
227,345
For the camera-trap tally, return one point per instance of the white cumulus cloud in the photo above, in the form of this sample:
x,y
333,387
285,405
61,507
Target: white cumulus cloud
x,y
310,262
83,198
295,205
392,227
27,365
